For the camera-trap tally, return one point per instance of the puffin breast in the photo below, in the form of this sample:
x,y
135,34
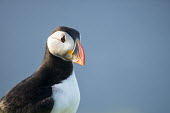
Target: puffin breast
x,y
66,95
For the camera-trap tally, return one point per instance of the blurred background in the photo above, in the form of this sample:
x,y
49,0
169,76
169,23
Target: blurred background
x,y
127,46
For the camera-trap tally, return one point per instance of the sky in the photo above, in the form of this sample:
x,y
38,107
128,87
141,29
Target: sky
x,y
127,47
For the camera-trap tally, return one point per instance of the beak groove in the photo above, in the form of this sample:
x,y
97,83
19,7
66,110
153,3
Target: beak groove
x,y
79,52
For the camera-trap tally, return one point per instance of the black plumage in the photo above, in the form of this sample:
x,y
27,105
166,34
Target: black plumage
x,y
33,95
72,32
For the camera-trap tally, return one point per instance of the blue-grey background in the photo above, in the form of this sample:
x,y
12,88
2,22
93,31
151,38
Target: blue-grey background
x,y
127,46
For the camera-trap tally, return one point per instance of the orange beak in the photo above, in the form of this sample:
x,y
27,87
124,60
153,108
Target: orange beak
x,y
79,51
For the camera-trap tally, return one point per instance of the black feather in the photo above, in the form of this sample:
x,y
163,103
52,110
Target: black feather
x,y
33,95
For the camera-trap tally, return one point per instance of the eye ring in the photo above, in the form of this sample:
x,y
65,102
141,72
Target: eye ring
x,y
63,39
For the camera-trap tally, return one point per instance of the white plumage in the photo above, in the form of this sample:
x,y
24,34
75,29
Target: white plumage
x,y
66,96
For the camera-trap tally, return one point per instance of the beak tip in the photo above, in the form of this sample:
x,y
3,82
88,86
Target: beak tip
x,y
80,62
83,64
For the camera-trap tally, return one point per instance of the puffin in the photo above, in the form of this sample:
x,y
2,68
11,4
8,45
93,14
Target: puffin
x,y
53,87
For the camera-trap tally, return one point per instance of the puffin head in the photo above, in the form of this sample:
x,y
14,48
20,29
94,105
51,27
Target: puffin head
x,y
64,42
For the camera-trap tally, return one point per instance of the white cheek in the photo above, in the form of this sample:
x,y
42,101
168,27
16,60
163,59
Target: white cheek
x,y
57,48
69,44
54,46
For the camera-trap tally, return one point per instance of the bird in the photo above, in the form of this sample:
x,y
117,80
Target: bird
x,y
53,87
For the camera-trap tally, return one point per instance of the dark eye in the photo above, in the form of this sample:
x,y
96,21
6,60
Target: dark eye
x,y
63,39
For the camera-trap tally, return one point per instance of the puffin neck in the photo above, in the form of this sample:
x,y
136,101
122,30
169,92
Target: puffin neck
x,y
53,69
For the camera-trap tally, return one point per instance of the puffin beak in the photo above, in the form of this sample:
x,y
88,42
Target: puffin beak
x,y
78,53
